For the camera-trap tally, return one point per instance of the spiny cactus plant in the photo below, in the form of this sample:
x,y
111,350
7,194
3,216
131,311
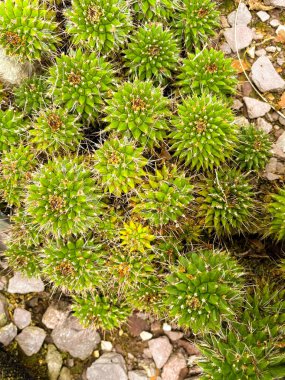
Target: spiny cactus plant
x,y
154,10
253,149
54,130
207,71
13,128
204,134
99,311
75,265
140,111
152,53
227,202
16,167
80,81
63,198
30,95
98,25
120,164
204,289
277,211
164,197
135,237
195,21
25,258
27,29
24,232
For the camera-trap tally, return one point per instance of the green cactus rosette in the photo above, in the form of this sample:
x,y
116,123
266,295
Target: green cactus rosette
x,y
136,237
165,196
195,21
63,198
110,223
25,258
207,71
16,168
204,289
54,130
253,149
27,29
75,265
204,135
277,211
24,232
152,53
79,82
105,312
139,110
120,165
31,95
227,202
153,10
13,128
98,25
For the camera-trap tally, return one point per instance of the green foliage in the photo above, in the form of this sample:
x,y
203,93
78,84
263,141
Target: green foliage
x,y
205,288
13,128
154,10
152,53
16,167
101,312
79,83
253,150
204,134
54,130
227,202
27,29
100,25
277,211
135,237
30,95
139,110
120,164
207,71
164,197
25,258
63,198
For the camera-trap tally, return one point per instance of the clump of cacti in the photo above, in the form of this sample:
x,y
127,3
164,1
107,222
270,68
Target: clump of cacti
x,y
13,128
276,210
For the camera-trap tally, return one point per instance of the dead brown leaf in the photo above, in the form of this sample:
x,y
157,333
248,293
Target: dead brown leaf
x,y
240,65
257,5
281,103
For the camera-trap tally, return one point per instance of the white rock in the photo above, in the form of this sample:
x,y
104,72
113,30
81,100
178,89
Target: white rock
x,y
65,374
282,120
138,375
271,49
226,48
238,38
22,318
22,285
160,349
7,334
166,327
106,345
274,23
54,362
241,16
265,76
278,3
251,52
11,71
110,366
281,28
260,52
264,16
145,335
54,316
263,125
256,108
31,339
279,147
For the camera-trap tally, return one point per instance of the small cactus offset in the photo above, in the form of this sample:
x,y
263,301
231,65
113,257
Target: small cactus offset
x,y
204,289
276,210
135,237
98,25
27,29
13,128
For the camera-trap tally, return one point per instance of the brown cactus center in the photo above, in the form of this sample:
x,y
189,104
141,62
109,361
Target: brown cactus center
x,y
202,12
54,121
94,13
56,202
212,68
13,38
74,78
138,104
154,50
201,126
65,268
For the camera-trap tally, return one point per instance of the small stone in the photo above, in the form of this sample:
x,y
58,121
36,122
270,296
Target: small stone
x,y
257,36
265,76
174,335
280,60
260,52
264,16
11,71
189,347
241,121
272,116
31,339
274,23
256,108
241,16
251,52
22,285
54,362
137,375
281,28
106,346
70,362
271,49
174,366
7,334
280,168
54,315
22,318
238,38
281,120
263,125
226,48
3,282
3,311
160,349
65,374
166,327
110,366
237,104
278,3
246,88
145,335
279,147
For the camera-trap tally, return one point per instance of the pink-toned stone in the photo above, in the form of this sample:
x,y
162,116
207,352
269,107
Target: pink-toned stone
x,y
174,335
189,347
173,368
160,349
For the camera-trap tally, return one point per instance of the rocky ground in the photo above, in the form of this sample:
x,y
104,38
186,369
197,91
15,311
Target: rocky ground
x,y
38,326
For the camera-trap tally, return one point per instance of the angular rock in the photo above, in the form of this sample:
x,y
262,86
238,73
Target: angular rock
x,y
65,374
256,108
241,16
174,335
265,76
174,366
271,169
54,315
7,334
264,16
106,345
54,362
263,125
11,71
279,146
3,311
22,285
22,318
138,375
278,3
160,349
145,335
31,339
109,366
274,23
70,336
238,38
